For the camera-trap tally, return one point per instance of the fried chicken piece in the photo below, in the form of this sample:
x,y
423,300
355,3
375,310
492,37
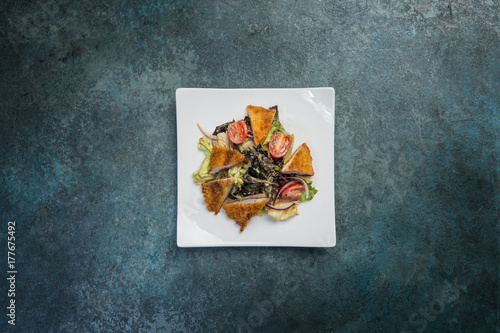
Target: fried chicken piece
x,y
300,162
242,211
261,120
224,158
215,192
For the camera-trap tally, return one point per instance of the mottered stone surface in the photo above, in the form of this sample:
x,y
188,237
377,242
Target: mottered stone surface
x,y
88,165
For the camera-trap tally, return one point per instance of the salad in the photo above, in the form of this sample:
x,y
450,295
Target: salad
x,y
250,168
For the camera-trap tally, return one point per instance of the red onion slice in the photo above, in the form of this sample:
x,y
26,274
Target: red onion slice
x,y
208,135
284,207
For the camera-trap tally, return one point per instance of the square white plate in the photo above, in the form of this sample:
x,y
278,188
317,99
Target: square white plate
x,y
308,113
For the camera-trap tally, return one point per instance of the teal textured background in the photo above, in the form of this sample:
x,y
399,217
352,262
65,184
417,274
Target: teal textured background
x,y
88,165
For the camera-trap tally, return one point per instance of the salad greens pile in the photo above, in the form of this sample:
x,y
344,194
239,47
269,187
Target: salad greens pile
x,y
261,176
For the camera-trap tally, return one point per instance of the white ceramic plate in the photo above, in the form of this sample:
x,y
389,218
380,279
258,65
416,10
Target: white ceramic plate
x,y
308,113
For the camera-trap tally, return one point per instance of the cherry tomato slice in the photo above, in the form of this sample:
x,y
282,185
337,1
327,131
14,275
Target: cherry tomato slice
x,y
280,144
237,131
292,192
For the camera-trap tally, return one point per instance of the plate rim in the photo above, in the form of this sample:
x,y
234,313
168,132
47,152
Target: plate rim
x,y
181,242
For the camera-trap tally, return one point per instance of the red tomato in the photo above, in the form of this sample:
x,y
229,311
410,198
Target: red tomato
x,y
292,192
237,131
280,144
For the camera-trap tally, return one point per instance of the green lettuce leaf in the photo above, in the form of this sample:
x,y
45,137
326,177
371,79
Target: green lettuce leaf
x,y
205,145
312,191
202,174
281,215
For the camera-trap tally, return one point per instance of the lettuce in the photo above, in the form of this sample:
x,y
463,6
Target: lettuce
x,y
205,145
237,172
312,191
202,174
223,140
263,211
281,215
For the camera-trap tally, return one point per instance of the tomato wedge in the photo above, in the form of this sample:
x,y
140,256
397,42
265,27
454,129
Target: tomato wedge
x,y
293,192
280,144
237,131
